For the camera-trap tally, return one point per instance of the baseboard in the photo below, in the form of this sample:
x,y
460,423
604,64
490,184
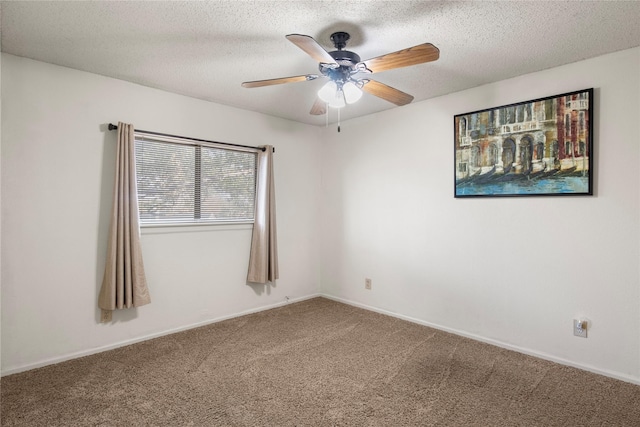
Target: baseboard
x,y
119,344
500,344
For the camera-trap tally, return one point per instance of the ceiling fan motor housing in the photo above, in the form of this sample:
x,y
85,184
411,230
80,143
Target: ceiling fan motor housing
x,y
345,57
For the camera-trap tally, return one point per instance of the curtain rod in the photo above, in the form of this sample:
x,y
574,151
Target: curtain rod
x,y
114,127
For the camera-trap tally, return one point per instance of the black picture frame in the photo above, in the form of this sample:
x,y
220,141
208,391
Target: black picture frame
x,y
541,147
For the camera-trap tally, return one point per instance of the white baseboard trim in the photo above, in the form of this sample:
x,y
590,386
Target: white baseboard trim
x,y
540,355
83,353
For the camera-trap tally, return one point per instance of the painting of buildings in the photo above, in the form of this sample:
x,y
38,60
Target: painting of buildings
x,y
540,147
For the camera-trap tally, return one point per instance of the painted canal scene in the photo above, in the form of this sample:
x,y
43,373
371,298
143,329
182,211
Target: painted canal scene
x,y
539,147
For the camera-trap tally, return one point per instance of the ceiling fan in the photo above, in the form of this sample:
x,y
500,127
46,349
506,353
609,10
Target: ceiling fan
x,y
345,71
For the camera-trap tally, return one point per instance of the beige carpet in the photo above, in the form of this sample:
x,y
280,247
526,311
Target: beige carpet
x,y
315,363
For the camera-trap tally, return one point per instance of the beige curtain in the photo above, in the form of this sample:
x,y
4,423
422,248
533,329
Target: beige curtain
x,y
124,284
263,260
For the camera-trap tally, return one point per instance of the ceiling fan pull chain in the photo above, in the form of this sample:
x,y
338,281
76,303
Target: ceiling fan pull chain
x,y
338,119
326,115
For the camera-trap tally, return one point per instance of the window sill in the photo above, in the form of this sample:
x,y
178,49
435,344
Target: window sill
x,y
163,228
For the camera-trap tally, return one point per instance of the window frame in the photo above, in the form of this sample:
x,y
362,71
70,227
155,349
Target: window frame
x,y
170,139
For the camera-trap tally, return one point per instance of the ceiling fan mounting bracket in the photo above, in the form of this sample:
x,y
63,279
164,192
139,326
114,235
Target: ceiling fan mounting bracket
x,y
340,39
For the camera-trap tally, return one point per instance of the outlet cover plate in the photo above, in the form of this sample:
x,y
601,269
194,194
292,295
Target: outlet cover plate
x,y
579,332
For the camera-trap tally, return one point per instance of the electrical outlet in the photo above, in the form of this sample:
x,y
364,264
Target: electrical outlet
x,y
580,328
367,284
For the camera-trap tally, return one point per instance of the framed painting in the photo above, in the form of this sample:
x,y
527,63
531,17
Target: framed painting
x,y
542,147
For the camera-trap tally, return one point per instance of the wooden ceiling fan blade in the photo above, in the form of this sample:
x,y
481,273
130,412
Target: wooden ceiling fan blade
x,y
319,107
387,93
311,47
269,82
419,54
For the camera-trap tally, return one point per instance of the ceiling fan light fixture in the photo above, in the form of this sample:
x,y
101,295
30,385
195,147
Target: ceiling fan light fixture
x,y
352,93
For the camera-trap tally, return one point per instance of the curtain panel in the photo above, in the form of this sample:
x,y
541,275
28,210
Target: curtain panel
x,y
263,259
124,284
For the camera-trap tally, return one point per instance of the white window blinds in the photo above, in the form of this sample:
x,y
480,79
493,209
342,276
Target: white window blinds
x,y
182,182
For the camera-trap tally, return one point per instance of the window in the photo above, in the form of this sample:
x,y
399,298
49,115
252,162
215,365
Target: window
x,y
181,182
549,112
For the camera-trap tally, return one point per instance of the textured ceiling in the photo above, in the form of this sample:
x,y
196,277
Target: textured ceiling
x,y
207,49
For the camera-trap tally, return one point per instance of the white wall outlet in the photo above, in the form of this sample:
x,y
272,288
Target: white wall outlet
x,y
367,284
580,328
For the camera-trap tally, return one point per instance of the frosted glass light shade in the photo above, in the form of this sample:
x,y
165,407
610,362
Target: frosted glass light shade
x,y
352,93
330,94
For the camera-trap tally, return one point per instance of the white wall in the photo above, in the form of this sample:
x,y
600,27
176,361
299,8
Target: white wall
x,y
57,174
512,271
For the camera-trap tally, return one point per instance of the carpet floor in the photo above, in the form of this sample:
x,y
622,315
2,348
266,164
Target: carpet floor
x,y
315,363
